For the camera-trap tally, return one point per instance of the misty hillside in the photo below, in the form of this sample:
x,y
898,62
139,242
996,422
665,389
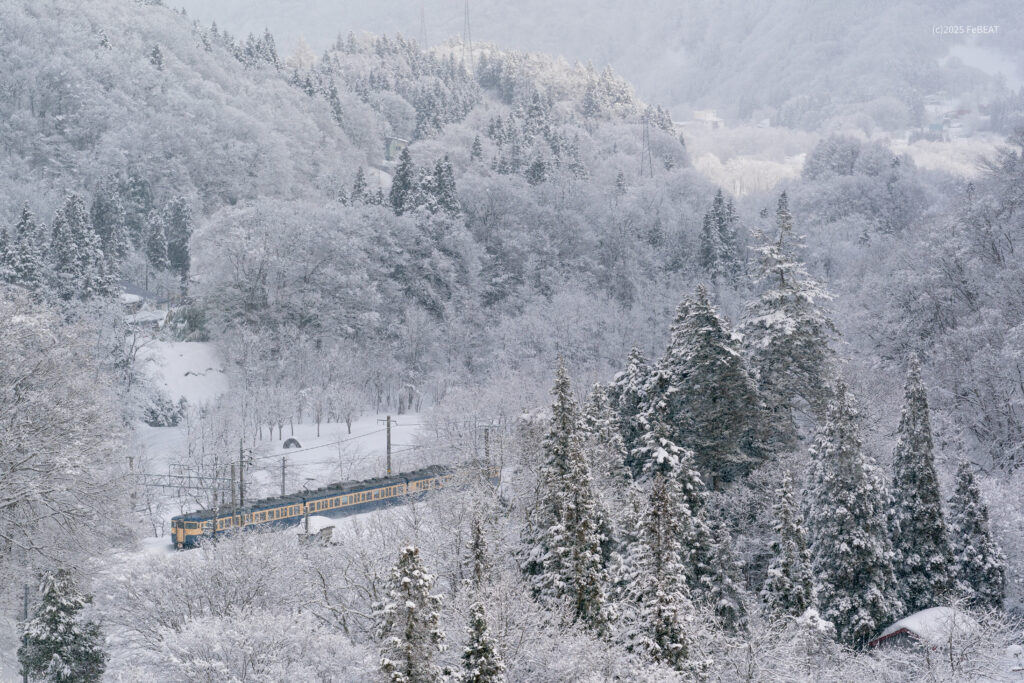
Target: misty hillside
x,y
798,62
371,361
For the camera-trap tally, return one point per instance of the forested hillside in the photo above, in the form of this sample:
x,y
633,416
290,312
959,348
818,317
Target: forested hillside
x,y
797,62
745,388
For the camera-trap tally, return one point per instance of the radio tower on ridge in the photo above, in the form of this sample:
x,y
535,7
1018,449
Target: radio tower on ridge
x,y
646,163
467,41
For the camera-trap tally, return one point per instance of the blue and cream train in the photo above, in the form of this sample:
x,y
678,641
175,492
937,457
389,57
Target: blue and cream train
x,y
336,500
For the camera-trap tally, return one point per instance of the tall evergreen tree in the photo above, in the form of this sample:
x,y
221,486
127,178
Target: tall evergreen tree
x,y
403,183
79,265
626,397
537,171
564,539
481,660
480,561
851,554
656,598
725,593
923,556
359,186
718,240
787,333
702,389
57,645
446,197
660,455
107,210
710,248
788,588
979,563
5,256
408,623
156,244
476,152
26,252
178,228
604,443
137,198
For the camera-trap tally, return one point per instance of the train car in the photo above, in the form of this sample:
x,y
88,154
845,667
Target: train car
x,y
336,500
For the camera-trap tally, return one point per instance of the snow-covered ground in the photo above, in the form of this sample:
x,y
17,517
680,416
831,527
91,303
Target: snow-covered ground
x,y
195,371
190,369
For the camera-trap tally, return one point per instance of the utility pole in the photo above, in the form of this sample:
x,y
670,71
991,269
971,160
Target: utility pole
x,y
283,465
24,619
389,445
234,507
487,445
131,474
241,475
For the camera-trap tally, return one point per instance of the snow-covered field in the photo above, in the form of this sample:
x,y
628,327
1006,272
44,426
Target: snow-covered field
x,y
189,369
195,371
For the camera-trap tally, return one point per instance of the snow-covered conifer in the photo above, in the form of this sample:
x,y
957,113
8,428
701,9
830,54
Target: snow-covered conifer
x,y
980,565
564,536
76,252
851,554
626,397
786,331
788,587
724,593
923,558
481,661
445,196
359,186
701,388
403,184
57,645
655,595
710,248
156,243
718,240
26,260
480,560
408,623
660,455
178,229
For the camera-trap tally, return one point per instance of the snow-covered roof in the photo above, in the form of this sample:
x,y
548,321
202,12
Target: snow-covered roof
x,y
147,317
933,626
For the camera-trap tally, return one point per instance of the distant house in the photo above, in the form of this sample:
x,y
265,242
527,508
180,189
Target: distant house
x,y
932,627
393,147
708,118
132,303
143,309
147,319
